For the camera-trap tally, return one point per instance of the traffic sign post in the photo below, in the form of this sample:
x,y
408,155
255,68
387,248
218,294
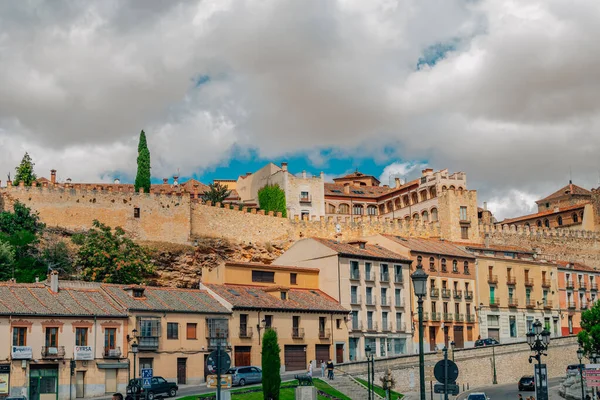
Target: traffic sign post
x,y
446,371
146,380
218,362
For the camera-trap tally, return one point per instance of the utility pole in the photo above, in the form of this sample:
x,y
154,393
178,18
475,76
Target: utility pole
x,y
218,370
445,373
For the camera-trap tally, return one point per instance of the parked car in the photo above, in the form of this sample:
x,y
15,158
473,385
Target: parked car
x,y
244,375
486,342
478,396
573,369
159,386
526,383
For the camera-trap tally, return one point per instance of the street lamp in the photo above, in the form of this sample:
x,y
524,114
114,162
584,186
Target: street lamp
x,y
538,340
580,357
370,371
134,350
419,280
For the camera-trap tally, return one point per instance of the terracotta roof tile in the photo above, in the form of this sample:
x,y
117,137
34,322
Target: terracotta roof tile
x,y
542,214
370,250
269,266
576,266
430,246
570,189
246,296
478,246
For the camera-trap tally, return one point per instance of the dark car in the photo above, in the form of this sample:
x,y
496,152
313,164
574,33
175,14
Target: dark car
x,y
159,386
486,342
526,383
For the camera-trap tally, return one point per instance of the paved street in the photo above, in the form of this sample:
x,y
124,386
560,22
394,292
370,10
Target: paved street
x,y
510,391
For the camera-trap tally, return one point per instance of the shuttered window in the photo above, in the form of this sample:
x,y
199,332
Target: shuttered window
x,y
191,331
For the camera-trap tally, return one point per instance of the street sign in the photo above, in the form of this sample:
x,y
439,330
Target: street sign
x,y
541,381
452,388
211,362
438,371
146,378
211,381
591,375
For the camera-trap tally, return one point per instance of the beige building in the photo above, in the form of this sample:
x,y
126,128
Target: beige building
x,y
47,328
369,280
513,291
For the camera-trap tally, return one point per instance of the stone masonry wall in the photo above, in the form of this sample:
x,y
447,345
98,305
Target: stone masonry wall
x,y
161,217
475,364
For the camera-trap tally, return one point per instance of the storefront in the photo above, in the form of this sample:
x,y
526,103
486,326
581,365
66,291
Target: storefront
x,y
43,382
4,380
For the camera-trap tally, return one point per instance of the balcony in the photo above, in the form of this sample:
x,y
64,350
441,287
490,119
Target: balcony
x,y
245,332
594,286
446,293
399,303
434,293
305,198
513,302
53,352
297,333
372,326
547,304
529,282
530,303
511,280
448,317
584,306
384,277
324,333
546,283
571,305
148,343
355,275
398,278
459,317
492,279
582,285
425,316
494,301
432,268
470,318
457,294
385,327
385,302
400,327
468,295
371,300
436,316
570,285
357,326
112,352
355,299
369,276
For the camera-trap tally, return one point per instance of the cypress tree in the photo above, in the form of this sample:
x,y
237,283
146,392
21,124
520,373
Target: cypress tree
x,y
25,171
271,365
142,179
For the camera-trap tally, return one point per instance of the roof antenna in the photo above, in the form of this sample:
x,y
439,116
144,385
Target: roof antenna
x,y
570,175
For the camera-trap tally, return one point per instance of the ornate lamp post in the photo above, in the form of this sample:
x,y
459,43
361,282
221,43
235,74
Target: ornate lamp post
x,y
538,341
419,280
369,372
580,357
134,350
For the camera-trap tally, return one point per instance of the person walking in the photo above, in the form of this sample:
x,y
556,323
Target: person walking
x,y
330,369
310,369
323,369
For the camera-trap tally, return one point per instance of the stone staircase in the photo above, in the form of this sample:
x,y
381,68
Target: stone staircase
x,y
350,387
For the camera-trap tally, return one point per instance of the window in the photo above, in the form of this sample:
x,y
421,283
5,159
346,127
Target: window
x,y
330,209
547,205
384,274
434,214
338,323
322,322
110,338
464,232
172,330
51,337
463,214
268,321
513,326
295,321
369,292
368,276
304,196
354,270
344,209
493,320
81,336
539,223
191,331
372,210
218,331
559,220
466,267
547,223
293,278
431,264
398,297
357,209
136,212
354,294
454,266
263,276
19,336
283,295
444,265
384,320
354,320
138,293
369,319
529,324
575,219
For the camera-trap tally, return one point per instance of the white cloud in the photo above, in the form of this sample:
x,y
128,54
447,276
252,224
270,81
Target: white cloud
x,y
402,170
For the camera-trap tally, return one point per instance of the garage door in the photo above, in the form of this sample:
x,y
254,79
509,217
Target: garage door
x,y
242,356
459,338
295,358
322,353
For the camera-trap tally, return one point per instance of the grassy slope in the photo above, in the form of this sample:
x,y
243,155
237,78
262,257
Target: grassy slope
x,y
379,390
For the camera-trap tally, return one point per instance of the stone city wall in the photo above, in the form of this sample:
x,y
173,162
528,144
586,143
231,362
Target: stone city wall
x,y
476,365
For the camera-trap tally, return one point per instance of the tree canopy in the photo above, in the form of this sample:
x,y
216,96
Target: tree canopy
x,y
142,179
111,257
272,198
271,365
216,193
589,336
25,172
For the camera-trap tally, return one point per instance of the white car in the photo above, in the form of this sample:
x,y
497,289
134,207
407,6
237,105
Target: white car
x,y
478,396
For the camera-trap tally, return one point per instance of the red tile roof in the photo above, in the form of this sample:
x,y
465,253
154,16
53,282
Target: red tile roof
x,y
356,174
430,246
371,251
576,266
478,246
570,189
542,214
337,190
270,266
257,297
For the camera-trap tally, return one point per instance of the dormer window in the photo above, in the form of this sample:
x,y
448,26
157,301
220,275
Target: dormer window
x,y
138,292
283,295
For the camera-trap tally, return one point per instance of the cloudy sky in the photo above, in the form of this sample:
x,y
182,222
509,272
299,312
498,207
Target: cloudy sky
x,y
506,91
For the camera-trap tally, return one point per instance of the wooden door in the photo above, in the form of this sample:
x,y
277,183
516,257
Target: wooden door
x,y
110,380
432,338
80,385
459,339
181,371
339,353
243,356
322,353
295,358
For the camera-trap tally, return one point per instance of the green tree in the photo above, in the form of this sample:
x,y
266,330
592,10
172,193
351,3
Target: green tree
x,y
216,193
589,336
111,257
21,218
142,179
272,198
25,171
271,365
7,261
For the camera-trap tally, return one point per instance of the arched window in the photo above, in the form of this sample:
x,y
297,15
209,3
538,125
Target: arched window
x,y
397,203
466,267
415,198
381,209
372,210
454,266
434,215
432,192
390,206
444,265
460,189
431,264
539,223
344,208
452,187
357,209
330,209
444,188
559,220
425,216
407,218
575,218
423,195
416,216
405,201
547,223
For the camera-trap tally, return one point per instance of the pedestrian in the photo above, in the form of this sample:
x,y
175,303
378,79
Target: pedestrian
x,y
310,369
322,369
330,370
117,396
520,397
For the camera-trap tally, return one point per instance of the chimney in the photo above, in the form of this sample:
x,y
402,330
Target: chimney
x,y
54,281
322,175
165,181
53,176
175,182
284,166
303,174
398,182
117,181
347,188
427,172
485,206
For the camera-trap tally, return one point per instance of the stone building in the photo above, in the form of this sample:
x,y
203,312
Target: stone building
x,y
369,280
513,290
449,308
578,291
